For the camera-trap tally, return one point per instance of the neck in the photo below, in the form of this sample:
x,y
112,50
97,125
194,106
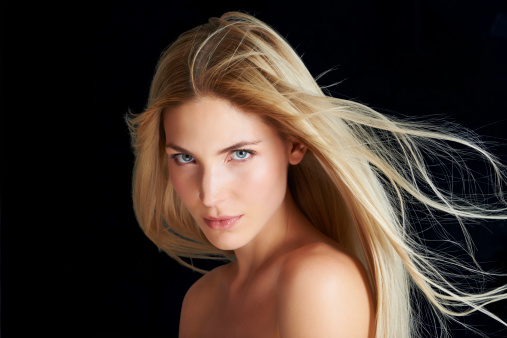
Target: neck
x,y
280,235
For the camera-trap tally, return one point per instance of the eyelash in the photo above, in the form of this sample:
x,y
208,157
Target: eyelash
x,y
248,151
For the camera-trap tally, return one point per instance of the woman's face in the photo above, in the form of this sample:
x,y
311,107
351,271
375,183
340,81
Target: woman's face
x,y
229,168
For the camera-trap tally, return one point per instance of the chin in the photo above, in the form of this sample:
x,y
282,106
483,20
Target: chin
x,y
226,241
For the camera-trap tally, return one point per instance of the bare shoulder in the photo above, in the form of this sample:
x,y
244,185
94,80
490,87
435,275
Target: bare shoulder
x,y
323,292
197,297
324,260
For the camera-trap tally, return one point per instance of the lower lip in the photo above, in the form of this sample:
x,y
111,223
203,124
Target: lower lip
x,y
222,224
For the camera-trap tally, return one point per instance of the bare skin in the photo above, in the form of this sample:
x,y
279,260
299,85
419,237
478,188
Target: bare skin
x,y
277,298
289,280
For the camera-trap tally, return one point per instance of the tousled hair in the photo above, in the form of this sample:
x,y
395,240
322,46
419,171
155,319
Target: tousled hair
x,y
361,175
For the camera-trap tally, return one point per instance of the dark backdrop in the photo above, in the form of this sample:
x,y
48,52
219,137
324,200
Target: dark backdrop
x,y
74,261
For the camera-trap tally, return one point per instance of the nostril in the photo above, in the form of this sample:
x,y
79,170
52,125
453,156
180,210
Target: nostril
x,y
208,199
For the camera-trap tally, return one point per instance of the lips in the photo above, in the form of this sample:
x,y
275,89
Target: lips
x,y
222,222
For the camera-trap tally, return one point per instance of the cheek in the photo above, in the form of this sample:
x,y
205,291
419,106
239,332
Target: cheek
x,y
182,184
266,182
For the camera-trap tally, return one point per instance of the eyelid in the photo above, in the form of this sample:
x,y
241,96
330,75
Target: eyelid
x,y
174,157
249,151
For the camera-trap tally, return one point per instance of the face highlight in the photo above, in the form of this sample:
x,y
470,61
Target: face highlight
x,y
229,168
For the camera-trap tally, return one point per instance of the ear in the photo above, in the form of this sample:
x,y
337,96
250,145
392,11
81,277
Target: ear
x,y
297,152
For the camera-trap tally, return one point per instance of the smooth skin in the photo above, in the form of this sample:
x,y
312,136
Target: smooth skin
x,y
289,280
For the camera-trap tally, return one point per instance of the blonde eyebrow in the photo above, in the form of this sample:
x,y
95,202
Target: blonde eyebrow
x,y
237,146
225,150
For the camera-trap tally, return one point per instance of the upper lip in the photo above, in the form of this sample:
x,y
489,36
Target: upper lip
x,y
219,218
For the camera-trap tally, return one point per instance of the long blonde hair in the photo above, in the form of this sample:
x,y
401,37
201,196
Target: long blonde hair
x,y
362,172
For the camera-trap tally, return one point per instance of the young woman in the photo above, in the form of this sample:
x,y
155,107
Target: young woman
x,y
241,156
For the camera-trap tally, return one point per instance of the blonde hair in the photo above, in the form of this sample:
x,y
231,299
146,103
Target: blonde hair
x,y
362,172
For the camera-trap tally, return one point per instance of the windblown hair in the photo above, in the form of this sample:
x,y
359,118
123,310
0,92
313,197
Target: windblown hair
x,y
361,176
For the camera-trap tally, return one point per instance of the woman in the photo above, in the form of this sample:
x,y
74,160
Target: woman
x,y
241,156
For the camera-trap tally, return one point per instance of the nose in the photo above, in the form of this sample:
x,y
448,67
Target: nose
x,y
212,187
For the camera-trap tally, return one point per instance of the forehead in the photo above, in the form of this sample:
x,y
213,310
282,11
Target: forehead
x,y
212,119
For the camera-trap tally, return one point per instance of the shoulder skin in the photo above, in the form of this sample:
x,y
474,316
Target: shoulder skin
x,y
192,310
323,292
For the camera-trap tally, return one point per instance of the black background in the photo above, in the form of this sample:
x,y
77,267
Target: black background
x,y
74,261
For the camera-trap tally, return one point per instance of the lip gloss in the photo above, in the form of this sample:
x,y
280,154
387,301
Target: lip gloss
x,y
221,223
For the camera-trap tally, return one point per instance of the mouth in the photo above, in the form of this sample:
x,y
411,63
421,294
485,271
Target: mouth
x,y
222,222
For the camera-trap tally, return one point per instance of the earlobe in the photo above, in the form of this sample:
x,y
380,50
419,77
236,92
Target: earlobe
x,y
297,152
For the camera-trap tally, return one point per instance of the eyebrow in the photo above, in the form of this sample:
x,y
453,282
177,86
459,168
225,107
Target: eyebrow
x,y
225,150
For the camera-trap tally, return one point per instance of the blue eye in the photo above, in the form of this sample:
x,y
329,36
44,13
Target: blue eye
x,y
183,158
241,154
